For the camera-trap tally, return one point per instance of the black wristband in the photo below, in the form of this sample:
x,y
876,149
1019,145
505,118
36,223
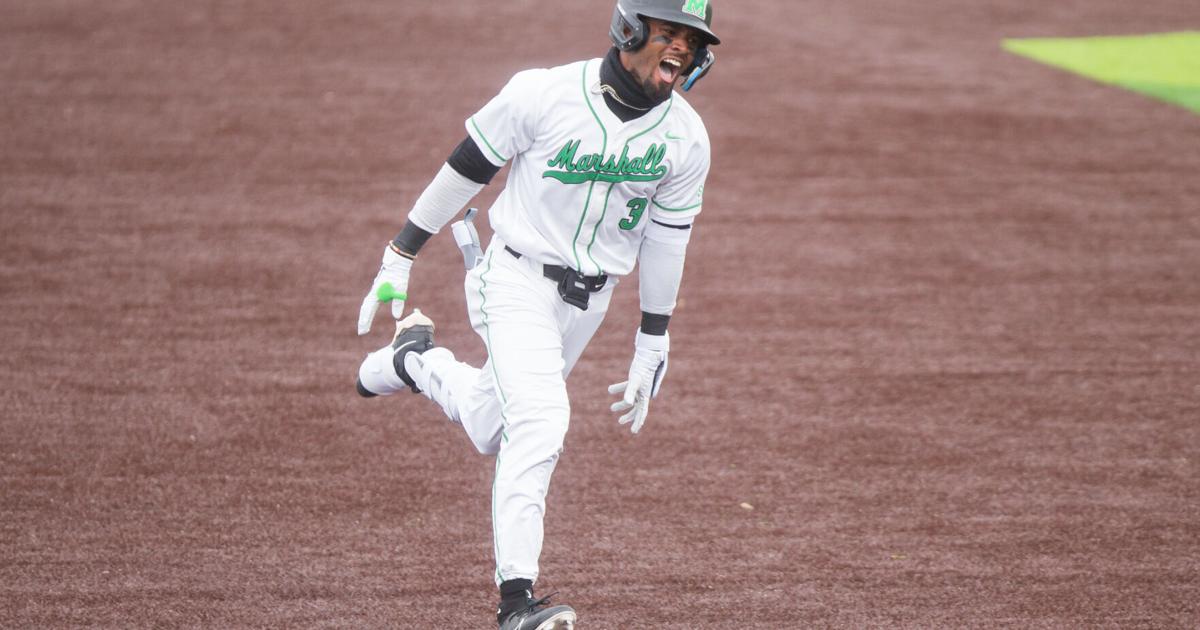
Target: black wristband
x,y
654,324
410,240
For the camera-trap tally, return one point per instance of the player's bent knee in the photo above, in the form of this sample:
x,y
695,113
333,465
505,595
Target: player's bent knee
x,y
536,439
548,408
489,445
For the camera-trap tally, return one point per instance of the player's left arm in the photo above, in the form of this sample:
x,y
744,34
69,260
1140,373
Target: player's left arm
x,y
660,272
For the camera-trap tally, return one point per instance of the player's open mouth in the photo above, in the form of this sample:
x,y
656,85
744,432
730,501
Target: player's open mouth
x,y
669,69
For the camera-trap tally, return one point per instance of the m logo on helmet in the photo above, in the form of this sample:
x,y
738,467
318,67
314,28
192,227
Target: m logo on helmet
x,y
698,8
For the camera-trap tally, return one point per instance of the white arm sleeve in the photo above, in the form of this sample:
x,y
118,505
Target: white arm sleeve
x,y
660,267
442,199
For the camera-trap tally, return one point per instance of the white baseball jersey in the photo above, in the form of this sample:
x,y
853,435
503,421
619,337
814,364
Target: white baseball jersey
x,y
583,185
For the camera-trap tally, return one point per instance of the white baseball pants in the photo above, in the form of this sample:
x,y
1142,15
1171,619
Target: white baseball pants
x,y
515,407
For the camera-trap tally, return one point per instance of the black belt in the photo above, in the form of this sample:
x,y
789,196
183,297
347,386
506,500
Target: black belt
x,y
574,288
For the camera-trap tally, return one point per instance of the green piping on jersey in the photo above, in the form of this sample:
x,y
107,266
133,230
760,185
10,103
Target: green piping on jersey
x,y
660,152
591,185
596,230
485,141
684,209
647,130
579,228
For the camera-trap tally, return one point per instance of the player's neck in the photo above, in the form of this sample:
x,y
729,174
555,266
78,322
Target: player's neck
x,y
624,97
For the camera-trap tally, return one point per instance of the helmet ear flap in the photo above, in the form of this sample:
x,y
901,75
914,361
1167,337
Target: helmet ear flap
x,y
702,63
626,32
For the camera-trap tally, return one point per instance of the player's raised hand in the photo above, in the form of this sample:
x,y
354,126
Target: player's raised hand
x,y
391,285
646,374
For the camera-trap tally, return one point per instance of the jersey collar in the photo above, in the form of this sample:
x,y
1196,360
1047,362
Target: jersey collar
x,y
597,95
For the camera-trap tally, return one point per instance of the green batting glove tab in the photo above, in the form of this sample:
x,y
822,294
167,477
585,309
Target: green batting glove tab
x,y
390,285
387,293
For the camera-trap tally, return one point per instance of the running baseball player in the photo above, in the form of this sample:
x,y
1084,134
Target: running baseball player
x,y
607,170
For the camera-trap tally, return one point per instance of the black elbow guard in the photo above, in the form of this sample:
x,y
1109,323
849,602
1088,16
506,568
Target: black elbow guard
x,y
467,160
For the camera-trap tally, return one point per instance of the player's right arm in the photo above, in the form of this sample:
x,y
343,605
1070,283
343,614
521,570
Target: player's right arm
x,y
501,129
463,175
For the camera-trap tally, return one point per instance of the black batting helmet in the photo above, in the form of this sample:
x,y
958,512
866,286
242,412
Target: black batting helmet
x,y
629,15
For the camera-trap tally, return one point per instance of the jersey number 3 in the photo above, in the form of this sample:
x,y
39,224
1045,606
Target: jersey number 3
x,y
637,207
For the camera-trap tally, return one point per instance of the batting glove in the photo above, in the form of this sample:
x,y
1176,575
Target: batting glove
x,y
391,285
645,378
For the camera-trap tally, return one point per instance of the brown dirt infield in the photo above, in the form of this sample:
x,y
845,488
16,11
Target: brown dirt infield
x,y
938,327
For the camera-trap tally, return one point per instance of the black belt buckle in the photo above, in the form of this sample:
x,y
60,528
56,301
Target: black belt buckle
x,y
574,289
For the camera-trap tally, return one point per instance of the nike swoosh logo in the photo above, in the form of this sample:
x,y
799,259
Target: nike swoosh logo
x,y
671,136
405,345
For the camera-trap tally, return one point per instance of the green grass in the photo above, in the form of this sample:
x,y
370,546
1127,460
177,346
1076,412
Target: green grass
x,y
1165,66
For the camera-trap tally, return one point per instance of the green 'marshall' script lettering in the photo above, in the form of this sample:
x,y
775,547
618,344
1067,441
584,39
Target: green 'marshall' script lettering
x,y
569,167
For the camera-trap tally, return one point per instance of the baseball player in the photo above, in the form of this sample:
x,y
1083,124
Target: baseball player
x,y
607,170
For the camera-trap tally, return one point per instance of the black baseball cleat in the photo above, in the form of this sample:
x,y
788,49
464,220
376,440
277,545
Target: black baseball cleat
x,y
538,614
413,334
382,372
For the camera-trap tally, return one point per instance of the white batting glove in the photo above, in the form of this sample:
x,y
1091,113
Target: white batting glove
x,y
645,378
391,285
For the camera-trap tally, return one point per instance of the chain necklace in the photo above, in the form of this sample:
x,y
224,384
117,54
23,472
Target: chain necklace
x,y
608,89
